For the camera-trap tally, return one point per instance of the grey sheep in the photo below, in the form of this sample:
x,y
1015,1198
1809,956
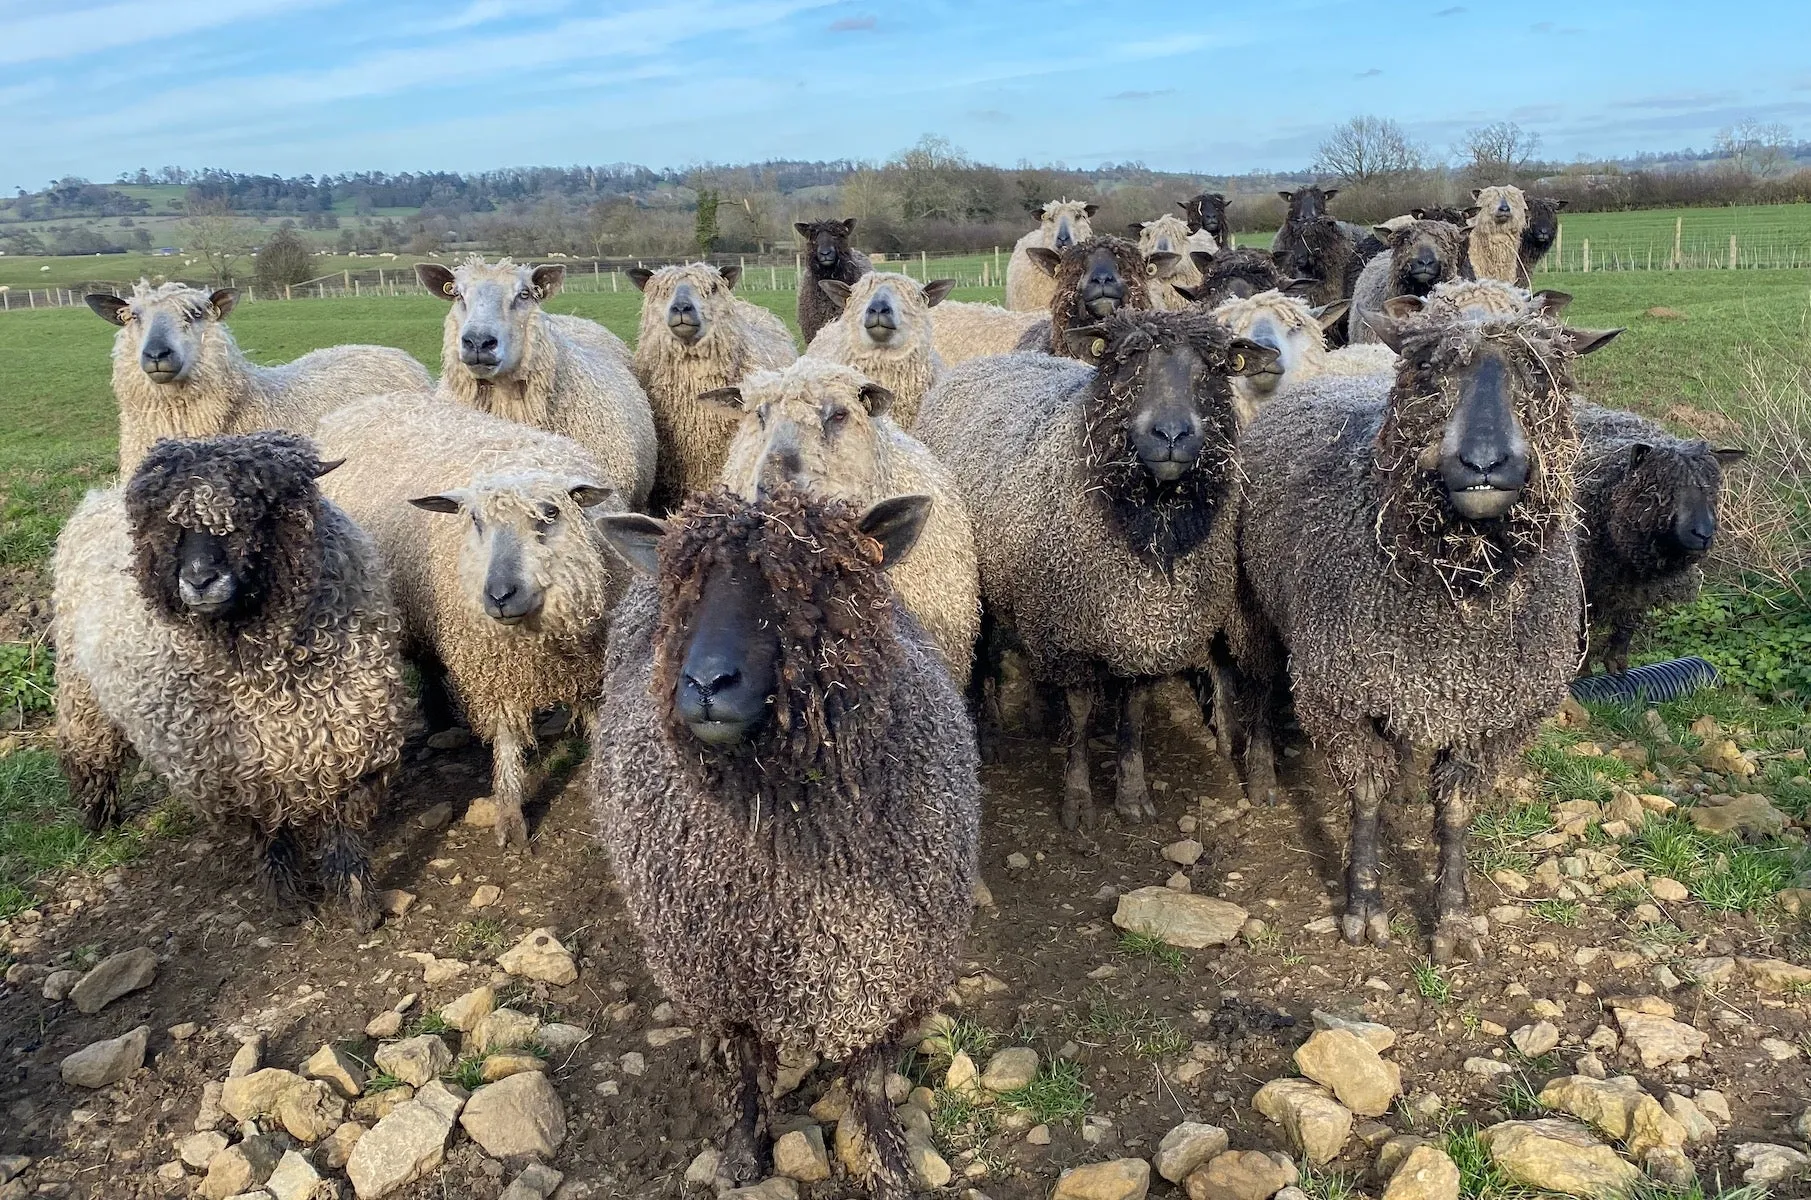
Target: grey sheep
x,y
218,617
786,788
1094,491
1649,502
1421,254
1408,549
828,257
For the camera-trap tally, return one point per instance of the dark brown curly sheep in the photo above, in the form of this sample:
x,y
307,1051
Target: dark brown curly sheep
x,y
1095,278
786,787
1238,275
1540,233
1205,212
828,255
1421,255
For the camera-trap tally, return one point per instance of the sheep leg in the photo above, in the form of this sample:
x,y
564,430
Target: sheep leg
x,y
742,1161
345,874
1615,653
92,751
1368,765
1133,799
866,1078
1454,933
509,784
1078,796
280,865
437,708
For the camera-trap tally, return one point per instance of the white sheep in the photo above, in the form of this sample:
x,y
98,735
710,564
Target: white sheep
x,y
1062,223
1297,333
177,372
961,329
885,333
697,336
508,608
1169,236
1495,245
502,353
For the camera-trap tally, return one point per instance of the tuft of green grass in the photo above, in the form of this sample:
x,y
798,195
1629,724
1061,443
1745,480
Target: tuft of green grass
x,y
1569,776
1325,1183
468,1073
1431,983
1560,912
1158,1039
41,832
963,1036
1479,1178
1056,1094
1519,1096
1143,945
1722,873
480,937
27,678
428,1022
383,1081
1498,836
958,1121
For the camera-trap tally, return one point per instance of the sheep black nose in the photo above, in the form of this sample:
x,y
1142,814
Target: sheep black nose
x,y
1173,429
478,343
201,578
501,593
1484,459
712,680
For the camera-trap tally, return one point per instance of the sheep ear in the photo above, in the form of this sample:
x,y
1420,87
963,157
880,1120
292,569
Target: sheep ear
x,y
876,399
1187,293
1551,302
1729,456
896,523
1203,259
223,302
635,538
439,504
848,226
1288,197
1589,341
1136,227
730,276
1637,452
1472,210
1161,265
1246,357
108,308
1559,204
327,466
1390,323
1182,204
803,229
836,289
1329,315
1087,343
1089,210
639,276
585,495
1476,193
1401,308
936,290
1329,193
437,279
1384,233
729,398
1044,260
1420,214
1301,283
548,278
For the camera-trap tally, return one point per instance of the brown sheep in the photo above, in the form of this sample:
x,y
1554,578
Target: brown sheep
x,y
1094,279
828,256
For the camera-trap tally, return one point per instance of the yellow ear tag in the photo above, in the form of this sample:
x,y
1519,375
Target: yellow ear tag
x,y
447,288
1097,347
1238,362
1151,270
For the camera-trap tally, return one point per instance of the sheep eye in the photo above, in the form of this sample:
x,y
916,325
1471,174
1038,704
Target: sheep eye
x,y
839,416
546,516
477,523
524,294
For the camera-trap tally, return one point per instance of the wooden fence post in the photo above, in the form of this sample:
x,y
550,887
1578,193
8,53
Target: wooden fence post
x,y
1732,251
1587,253
1678,242
1559,247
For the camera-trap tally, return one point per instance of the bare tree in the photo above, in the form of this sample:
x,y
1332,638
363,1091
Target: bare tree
x,y
214,235
1497,153
1368,150
1762,150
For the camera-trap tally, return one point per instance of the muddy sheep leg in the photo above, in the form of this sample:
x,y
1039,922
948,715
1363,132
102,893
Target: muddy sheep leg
x,y
1133,798
1366,764
1615,652
984,690
92,751
1454,783
1078,796
866,1078
280,866
744,1155
509,782
345,865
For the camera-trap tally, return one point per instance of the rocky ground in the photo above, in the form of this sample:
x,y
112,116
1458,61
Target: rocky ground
x,y
1165,1008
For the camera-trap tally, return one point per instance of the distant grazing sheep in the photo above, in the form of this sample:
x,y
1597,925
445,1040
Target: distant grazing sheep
x,y
1094,491
696,336
503,584
828,257
1419,602
1649,501
1495,246
1062,224
785,785
219,618
1421,254
829,429
501,353
1539,234
177,372
1091,280
885,332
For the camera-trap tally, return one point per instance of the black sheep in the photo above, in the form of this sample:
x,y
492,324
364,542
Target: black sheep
x,y
827,256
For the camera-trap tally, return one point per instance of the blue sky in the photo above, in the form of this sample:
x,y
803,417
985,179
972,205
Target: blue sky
x,y
94,87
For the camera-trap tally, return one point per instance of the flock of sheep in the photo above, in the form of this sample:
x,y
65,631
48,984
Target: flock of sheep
x,y
1162,457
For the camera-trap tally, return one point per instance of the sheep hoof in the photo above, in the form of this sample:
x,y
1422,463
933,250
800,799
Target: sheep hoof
x,y
1135,810
512,827
1363,924
1078,811
1456,936
739,1164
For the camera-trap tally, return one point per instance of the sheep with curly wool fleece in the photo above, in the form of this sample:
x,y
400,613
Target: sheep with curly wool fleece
x,y
1093,549
505,587
177,372
828,257
810,883
1421,254
1061,224
1234,274
1328,258
1205,214
961,330
828,429
1169,235
884,331
1093,279
1649,504
1405,625
502,354
697,336
1495,245
222,620
1298,334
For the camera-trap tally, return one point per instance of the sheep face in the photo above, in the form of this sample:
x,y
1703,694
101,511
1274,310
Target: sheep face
x,y
223,528
495,309
170,328
1165,235
1501,206
810,426
888,312
1543,225
1066,222
1236,274
1100,289
1286,325
757,647
527,550
1308,204
1422,254
686,302
1206,213
1664,508
827,242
